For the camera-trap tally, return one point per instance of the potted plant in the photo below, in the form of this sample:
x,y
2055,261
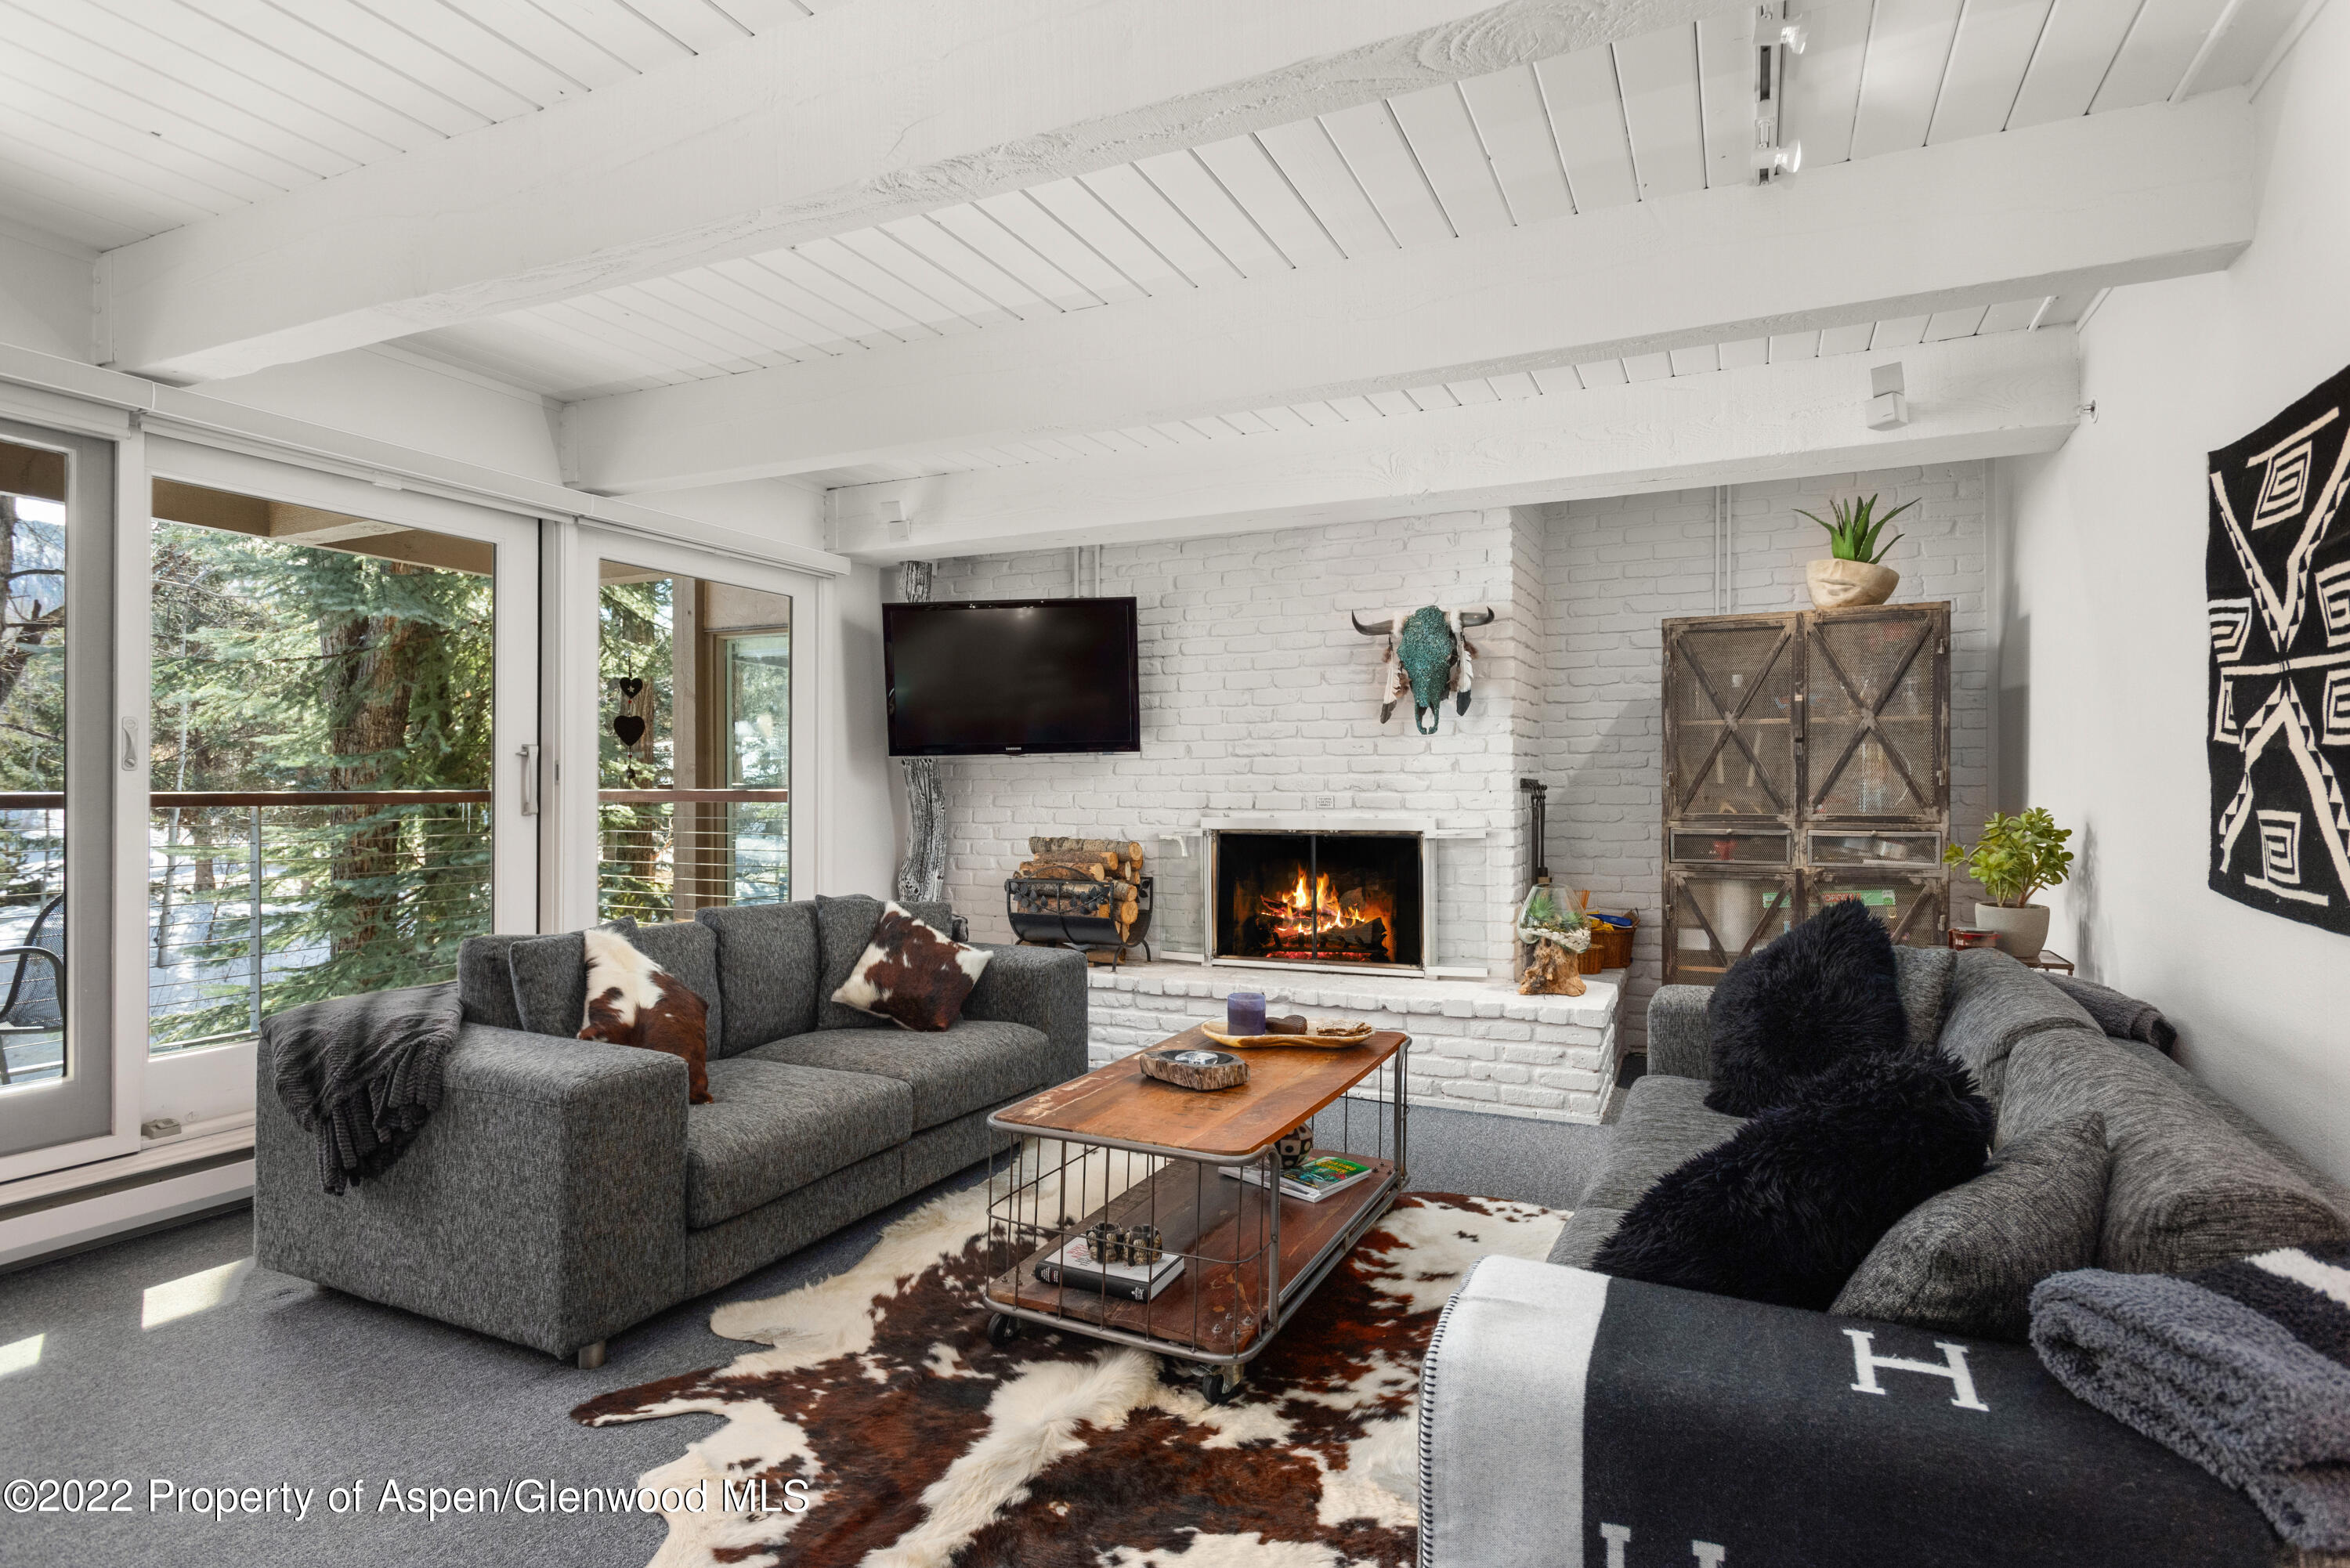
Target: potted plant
x,y
2016,857
1855,573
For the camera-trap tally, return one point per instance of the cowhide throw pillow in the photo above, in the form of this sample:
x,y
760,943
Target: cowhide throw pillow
x,y
632,1001
913,974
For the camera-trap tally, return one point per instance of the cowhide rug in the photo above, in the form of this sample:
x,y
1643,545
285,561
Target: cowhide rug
x,y
922,1443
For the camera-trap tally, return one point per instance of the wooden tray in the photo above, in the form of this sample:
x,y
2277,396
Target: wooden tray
x,y
1277,1042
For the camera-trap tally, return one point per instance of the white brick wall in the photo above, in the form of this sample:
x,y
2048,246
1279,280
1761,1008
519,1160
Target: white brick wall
x,y
1616,569
1256,694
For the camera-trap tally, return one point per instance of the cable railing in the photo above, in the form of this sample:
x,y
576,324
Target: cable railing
x,y
664,853
260,899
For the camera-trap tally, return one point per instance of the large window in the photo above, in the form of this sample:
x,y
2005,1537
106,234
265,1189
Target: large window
x,y
32,764
694,806
322,758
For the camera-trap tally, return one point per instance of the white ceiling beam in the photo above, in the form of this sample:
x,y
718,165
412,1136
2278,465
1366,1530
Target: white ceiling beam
x,y
1969,397
2068,207
865,113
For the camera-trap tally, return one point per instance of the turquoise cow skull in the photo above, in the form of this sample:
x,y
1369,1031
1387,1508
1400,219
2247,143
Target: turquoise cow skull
x,y
1429,653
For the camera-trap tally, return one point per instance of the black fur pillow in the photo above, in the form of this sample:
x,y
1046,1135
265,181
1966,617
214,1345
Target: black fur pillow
x,y
1825,990
1787,1209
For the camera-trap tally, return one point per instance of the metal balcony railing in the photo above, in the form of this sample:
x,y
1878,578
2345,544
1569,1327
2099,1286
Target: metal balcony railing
x,y
665,853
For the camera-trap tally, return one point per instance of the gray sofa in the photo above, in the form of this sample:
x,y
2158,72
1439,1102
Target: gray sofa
x,y
1569,1416
564,1189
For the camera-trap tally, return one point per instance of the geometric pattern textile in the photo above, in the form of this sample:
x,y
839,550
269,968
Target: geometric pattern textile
x,y
2276,575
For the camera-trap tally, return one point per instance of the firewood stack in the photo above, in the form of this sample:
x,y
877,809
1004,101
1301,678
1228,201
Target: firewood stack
x,y
1109,872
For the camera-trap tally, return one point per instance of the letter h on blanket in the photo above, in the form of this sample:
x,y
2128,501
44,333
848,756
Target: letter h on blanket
x,y
1865,1361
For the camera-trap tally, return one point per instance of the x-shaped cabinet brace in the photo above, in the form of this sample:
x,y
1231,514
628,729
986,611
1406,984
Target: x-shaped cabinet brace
x,y
1869,710
1730,730
1721,952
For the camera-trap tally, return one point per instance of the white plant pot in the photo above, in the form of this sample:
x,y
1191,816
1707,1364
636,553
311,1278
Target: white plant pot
x,y
2021,933
1840,584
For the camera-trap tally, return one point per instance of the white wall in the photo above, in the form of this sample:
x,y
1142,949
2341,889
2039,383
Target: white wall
x,y
1617,568
2107,596
859,822
1256,694
45,293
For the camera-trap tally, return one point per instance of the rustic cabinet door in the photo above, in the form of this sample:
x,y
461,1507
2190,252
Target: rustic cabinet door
x,y
1876,699
1731,719
1716,917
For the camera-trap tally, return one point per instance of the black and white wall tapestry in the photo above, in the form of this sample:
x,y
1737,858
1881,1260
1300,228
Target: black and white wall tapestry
x,y
2277,574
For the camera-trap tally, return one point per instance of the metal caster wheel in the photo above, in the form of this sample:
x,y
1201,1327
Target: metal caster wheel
x,y
1001,1328
1218,1384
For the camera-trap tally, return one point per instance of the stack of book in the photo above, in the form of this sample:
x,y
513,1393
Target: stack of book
x,y
1313,1181
1074,1267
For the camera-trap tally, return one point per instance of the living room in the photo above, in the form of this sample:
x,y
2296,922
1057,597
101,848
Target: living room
x,y
1427,782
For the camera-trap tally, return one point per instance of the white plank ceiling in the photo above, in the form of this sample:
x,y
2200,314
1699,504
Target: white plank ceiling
x,y
122,118
1655,116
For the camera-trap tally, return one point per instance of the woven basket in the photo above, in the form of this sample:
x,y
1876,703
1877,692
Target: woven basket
x,y
1611,947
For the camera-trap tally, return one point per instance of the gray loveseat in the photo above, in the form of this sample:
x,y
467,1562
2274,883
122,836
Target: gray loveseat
x,y
564,1189
1567,1417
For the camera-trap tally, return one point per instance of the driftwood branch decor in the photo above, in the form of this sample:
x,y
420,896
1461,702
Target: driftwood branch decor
x,y
922,874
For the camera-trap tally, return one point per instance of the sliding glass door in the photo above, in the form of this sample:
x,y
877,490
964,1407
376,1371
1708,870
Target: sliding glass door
x,y
58,769
688,701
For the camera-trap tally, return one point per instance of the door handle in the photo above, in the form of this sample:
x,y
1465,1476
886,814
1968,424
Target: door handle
x,y
130,745
529,755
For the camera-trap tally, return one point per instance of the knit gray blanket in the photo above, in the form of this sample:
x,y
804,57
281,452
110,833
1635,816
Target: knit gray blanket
x,y
2244,1368
361,1074
2120,1015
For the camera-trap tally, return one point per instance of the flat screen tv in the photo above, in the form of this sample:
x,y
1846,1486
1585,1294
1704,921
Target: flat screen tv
x,y
1013,676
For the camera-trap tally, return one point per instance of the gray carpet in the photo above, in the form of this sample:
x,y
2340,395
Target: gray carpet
x,y
284,1383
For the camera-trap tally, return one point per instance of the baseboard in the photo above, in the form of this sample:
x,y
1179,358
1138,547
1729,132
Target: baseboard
x,y
170,1198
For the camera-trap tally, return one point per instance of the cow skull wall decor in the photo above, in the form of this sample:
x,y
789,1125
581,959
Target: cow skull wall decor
x,y
1427,652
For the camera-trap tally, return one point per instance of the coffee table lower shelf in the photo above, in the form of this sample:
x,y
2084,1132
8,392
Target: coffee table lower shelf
x,y
1216,1310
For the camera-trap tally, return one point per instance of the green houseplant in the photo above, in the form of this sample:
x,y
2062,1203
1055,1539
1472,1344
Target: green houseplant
x,y
2015,857
1854,572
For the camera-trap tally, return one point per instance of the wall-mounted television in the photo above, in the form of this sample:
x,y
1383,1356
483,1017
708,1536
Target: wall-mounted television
x,y
1018,676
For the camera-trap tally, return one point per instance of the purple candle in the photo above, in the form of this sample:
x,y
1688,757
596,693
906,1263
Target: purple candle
x,y
1244,1013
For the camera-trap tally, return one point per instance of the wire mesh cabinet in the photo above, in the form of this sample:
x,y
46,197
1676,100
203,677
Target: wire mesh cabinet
x,y
1177,1191
1806,761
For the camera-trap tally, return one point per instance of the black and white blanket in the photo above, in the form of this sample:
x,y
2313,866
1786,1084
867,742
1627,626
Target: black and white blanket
x,y
362,1073
2244,1368
1568,1417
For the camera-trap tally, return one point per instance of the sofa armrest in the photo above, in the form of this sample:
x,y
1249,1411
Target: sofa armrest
x,y
1678,1041
543,1201
1044,988
1564,1413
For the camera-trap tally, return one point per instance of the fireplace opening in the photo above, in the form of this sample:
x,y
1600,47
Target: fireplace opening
x,y
1319,898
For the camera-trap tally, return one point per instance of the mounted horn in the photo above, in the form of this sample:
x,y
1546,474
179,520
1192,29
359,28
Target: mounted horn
x,y
1476,618
1382,629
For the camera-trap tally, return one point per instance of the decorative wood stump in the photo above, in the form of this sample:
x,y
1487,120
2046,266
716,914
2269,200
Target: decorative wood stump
x,y
1551,971
1195,1069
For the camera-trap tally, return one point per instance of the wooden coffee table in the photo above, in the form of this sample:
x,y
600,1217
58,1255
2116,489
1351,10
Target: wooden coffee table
x,y
1133,1151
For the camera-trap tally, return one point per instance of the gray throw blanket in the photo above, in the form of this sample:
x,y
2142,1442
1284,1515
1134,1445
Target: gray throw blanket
x,y
2244,1368
2124,1016
361,1074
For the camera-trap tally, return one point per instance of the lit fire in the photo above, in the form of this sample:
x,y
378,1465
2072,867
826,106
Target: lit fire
x,y
1306,911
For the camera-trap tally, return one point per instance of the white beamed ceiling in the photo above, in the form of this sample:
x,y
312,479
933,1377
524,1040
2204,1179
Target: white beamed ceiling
x,y
1657,116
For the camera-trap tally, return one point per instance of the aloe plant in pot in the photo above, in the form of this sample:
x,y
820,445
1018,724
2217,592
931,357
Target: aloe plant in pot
x,y
1854,572
2015,857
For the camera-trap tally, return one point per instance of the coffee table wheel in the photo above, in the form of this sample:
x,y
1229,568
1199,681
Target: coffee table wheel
x,y
1003,1328
1219,1384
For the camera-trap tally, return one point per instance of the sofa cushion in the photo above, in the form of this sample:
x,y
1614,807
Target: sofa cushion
x,y
976,1064
1585,1231
913,973
1664,1124
1922,977
844,925
1785,1211
485,987
1996,1003
768,971
550,973
1824,992
2187,1188
1965,1261
773,1128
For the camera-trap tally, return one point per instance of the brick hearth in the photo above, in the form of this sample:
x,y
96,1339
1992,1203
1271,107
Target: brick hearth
x,y
1475,1044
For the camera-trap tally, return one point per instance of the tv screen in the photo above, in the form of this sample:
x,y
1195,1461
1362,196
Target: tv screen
x,y
1014,675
